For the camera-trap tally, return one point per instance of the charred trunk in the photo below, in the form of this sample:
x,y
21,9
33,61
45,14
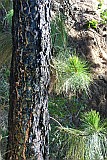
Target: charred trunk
x,y
29,81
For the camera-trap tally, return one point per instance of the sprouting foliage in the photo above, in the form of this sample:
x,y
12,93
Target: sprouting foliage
x,y
92,24
9,17
104,16
92,121
90,142
73,75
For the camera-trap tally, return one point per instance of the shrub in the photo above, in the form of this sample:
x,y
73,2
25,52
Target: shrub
x,y
58,110
90,142
92,24
58,33
104,16
9,17
73,75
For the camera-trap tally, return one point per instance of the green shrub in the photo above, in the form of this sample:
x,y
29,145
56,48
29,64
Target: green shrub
x,y
58,33
73,75
92,121
90,142
56,107
96,142
9,17
92,24
104,16
62,110
58,110
77,105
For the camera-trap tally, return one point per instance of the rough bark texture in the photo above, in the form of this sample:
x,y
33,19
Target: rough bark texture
x,y
29,80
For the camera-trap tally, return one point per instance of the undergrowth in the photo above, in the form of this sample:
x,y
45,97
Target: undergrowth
x,y
4,87
89,142
5,47
73,75
63,112
58,33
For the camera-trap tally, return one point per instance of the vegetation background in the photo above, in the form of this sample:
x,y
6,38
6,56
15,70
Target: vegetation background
x,y
78,87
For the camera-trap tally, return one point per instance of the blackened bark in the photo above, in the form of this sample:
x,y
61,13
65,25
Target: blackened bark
x,y
29,81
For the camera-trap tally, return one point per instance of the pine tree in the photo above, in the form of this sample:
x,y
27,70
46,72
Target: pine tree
x,y
29,81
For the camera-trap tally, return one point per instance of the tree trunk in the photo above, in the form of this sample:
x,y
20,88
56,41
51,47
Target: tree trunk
x,y
29,81
0,146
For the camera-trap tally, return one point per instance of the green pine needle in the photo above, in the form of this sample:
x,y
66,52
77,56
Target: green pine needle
x,y
90,142
73,75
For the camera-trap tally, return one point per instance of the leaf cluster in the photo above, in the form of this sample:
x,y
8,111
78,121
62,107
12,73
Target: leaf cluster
x,y
73,75
92,24
8,17
92,122
104,16
90,142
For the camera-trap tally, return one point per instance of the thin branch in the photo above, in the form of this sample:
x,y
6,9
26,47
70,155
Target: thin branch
x,y
56,122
